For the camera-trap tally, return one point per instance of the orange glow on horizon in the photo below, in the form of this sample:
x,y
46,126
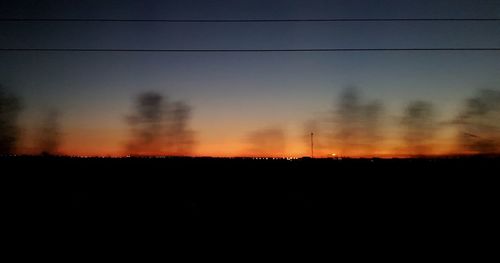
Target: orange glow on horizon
x,y
111,143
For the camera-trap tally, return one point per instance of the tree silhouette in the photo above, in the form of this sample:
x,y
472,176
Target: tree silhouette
x,y
49,137
479,123
10,107
160,127
419,127
371,119
146,123
180,137
356,123
348,120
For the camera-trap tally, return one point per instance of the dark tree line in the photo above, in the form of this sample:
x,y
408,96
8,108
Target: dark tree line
x,y
47,135
10,107
356,123
479,123
358,129
419,127
160,126
355,126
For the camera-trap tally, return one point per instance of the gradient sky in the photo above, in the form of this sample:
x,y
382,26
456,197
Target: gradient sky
x,y
235,94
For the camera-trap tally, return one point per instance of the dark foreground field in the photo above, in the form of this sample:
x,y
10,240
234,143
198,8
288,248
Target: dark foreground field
x,y
174,195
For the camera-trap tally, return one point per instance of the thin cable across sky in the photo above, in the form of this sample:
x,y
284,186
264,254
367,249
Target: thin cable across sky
x,y
305,20
247,50
312,20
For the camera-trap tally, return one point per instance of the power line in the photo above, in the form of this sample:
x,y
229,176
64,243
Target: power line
x,y
249,20
489,49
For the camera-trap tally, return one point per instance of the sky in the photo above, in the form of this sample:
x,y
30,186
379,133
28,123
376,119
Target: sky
x,y
237,95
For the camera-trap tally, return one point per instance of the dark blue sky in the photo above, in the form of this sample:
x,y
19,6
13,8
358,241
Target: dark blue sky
x,y
235,93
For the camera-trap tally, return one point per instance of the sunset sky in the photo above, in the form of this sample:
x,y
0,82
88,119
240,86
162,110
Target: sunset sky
x,y
235,95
